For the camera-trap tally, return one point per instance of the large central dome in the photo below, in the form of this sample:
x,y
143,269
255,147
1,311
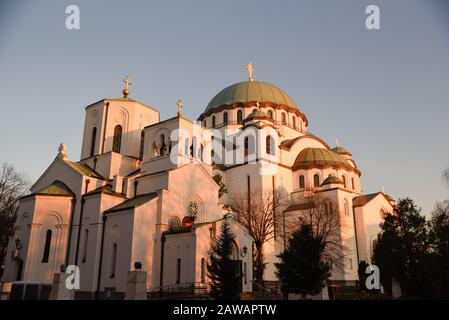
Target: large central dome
x,y
247,91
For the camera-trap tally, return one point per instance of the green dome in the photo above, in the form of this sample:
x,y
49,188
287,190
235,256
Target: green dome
x,y
320,157
248,91
331,179
341,150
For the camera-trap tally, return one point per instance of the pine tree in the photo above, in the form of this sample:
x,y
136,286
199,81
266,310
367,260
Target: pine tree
x,y
301,269
223,273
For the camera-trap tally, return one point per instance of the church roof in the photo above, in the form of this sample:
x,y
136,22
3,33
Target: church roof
x,y
57,188
320,157
106,189
341,150
331,179
135,202
360,201
247,91
83,169
124,100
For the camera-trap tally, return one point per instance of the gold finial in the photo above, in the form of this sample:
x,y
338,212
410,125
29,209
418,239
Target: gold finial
x,y
250,69
337,144
62,151
126,89
258,105
179,104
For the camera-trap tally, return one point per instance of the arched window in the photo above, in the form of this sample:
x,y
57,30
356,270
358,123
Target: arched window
x,y
142,144
249,145
302,182
213,121
117,142
86,241
239,117
353,183
201,153
193,148
343,178
204,123
270,114
316,180
225,118
154,150
178,270
283,118
92,142
294,122
203,270
47,245
346,207
187,147
113,260
269,145
174,223
163,148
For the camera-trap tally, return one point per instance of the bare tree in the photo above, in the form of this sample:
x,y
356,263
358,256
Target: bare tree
x,y
324,217
260,212
13,185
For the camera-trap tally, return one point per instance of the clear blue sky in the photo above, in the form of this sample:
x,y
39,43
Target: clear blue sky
x,y
384,94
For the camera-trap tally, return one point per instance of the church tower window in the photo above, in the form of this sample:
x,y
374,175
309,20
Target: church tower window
x,y
294,122
239,117
92,143
178,270
113,260
343,178
269,145
163,146
283,118
117,141
86,241
302,183
203,270
270,114
352,183
142,144
213,121
316,180
225,118
47,245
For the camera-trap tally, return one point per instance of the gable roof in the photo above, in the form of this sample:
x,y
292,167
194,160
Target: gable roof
x,y
360,201
83,169
106,189
56,188
135,202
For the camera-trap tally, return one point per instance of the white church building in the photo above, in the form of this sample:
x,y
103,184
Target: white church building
x,y
145,191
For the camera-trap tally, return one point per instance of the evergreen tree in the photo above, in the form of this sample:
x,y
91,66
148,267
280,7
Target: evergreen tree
x,y
301,269
362,274
222,271
401,250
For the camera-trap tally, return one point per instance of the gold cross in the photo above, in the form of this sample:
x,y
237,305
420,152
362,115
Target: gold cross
x,y
179,104
127,82
250,69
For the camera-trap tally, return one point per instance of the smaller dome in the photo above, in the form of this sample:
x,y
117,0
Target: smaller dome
x,y
341,150
319,157
331,179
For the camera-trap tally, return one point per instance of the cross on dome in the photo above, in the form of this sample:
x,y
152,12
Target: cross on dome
x,y
126,88
251,70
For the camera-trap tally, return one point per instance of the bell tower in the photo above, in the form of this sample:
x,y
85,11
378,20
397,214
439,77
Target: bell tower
x,y
116,125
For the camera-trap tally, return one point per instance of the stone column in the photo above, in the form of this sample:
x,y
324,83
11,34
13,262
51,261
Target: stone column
x,y
59,291
136,286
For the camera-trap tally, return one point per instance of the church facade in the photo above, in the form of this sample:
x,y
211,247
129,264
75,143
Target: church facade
x,y
155,192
